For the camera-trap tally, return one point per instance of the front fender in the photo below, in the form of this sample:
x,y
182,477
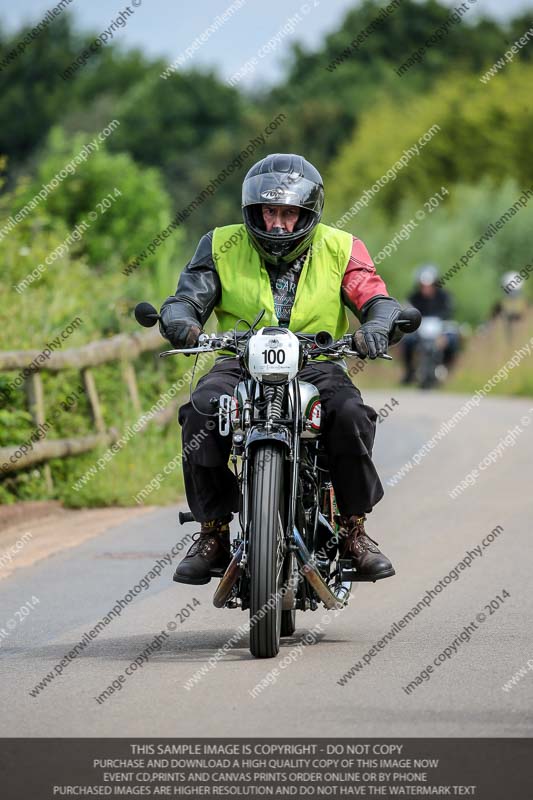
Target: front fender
x,y
260,434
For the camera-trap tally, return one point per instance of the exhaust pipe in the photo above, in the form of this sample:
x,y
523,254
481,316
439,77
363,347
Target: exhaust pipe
x,y
228,580
313,577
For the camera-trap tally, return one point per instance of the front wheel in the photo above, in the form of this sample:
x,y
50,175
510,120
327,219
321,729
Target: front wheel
x,y
267,544
426,370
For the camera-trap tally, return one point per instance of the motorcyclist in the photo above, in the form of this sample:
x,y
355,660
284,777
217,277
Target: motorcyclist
x,y
512,305
302,272
432,301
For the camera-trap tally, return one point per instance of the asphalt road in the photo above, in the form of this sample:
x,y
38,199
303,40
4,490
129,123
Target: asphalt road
x,y
424,531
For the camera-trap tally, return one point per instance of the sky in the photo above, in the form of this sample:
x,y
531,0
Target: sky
x,y
166,28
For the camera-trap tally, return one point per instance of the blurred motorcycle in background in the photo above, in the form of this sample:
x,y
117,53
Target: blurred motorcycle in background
x,y
431,357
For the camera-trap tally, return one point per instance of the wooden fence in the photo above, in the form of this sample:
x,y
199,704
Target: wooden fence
x,y
124,348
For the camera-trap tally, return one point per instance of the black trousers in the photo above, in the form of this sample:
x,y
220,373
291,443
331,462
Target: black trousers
x,y
348,428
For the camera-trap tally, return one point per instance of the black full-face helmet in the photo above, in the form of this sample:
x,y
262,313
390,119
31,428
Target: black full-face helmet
x,y
289,180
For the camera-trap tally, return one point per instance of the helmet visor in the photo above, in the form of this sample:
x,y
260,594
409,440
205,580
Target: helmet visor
x,y
282,189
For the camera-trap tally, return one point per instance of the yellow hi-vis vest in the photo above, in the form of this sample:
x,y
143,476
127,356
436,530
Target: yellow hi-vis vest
x,y
246,286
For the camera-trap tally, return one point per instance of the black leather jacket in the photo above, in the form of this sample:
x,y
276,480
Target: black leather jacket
x,y
440,305
197,295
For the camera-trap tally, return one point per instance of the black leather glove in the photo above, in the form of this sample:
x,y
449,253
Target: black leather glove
x,y
179,332
372,340
378,316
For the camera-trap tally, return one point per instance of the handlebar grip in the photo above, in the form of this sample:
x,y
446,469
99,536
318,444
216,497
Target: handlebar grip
x,y
146,315
409,320
324,339
185,516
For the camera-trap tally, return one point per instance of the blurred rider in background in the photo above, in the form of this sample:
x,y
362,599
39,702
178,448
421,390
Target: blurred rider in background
x,y
512,306
432,301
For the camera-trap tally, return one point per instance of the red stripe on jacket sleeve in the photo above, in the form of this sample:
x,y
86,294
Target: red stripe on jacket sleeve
x,y
361,281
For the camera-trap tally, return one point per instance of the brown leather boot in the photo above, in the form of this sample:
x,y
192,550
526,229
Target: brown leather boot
x,y
209,551
354,543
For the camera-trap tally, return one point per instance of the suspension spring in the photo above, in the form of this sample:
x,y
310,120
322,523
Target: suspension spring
x,y
274,396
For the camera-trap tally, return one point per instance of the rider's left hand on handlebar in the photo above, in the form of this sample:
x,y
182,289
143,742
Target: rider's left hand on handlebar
x,y
372,340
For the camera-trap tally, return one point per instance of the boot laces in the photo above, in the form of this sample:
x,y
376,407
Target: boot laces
x,y
201,543
355,528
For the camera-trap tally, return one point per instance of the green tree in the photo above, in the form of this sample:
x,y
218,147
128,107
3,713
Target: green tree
x,y
329,89
444,235
484,130
190,126
140,206
35,96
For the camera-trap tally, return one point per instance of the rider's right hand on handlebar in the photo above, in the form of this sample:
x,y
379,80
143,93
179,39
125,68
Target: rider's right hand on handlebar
x,y
181,334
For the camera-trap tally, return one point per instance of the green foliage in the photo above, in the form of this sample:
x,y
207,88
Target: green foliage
x,y
165,120
140,206
496,342
68,411
35,96
191,126
444,236
127,473
484,131
330,94
15,426
93,287
143,456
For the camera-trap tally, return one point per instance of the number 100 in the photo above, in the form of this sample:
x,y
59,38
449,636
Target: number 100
x,y
274,356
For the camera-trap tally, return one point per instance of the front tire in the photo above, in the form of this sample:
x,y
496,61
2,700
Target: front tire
x,y
266,550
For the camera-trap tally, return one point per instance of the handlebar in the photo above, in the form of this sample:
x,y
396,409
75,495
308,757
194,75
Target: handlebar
x,y
321,343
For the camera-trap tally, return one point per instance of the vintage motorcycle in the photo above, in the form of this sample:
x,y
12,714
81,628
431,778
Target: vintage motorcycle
x,y
285,556
430,349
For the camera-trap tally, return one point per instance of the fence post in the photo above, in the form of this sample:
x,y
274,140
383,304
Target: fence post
x,y
92,394
128,373
35,397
